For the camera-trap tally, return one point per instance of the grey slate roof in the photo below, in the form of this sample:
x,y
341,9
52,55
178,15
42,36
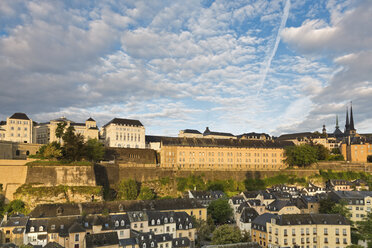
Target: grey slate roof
x,y
53,245
120,121
15,221
319,219
101,239
191,131
181,242
260,221
20,116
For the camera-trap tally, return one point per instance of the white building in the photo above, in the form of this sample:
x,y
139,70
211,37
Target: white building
x,y
124,133
17,128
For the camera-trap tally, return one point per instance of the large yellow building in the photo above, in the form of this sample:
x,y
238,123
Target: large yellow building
x,y
302,230
222,154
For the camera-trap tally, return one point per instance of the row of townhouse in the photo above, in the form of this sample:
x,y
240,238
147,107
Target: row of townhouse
x,y
301,230
118,132
142,229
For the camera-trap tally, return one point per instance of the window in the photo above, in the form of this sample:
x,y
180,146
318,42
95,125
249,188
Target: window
x,y
32,229
122,223
77,237
41,228
325,231
337,231
344,232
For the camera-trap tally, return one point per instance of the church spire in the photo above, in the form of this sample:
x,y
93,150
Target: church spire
x,y
347,125
351,117
337,126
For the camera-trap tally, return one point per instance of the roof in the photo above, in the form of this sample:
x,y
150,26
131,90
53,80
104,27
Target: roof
x,y
101,239
2,123
53,245
120,121
298,135
208,132
208,194
20,116
253,134
248,215
301,219
71,209
277,205
191,131
181,242
90,119
261,220
15,222
206,142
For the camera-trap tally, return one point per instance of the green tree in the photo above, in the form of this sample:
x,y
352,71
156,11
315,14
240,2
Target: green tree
x,y
15,206
60,130
322,152
203,231
94,150
52,151
326,206
220,211
340,208
336,151
254,184
73,146
226,234
302,155
127,190
365,229
146,194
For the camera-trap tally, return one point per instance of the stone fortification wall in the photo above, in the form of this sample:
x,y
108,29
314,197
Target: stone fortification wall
x,y
11,177
61,175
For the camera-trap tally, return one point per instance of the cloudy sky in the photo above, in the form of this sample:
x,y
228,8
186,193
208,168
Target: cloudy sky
x,y
235,66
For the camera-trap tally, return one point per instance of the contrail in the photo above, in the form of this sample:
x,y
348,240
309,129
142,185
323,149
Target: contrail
x,y
277,40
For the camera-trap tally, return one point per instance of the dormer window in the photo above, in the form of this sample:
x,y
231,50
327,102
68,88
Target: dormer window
x,y
190,225
158,222
53,227
183,241
116,223
41,228
86,224
106,225
180,226
152,244
142,237
122,223
32,229
171,220
150,236
144,245
165,220
62,226
152,222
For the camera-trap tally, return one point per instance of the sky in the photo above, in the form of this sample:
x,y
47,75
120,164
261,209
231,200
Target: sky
x,y
239,66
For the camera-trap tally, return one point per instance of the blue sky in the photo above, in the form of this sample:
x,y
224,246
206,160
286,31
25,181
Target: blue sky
x,y
235,66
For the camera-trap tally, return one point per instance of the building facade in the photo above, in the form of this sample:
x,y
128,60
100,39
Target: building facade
x,y
124,133
46,132
222,154
17,128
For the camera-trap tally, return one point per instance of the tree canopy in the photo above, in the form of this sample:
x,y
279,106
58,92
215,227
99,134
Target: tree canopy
x,y
226,234
146,194
127,189
220,211
301,155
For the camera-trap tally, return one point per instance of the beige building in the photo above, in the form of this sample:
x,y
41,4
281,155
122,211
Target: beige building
x,y
17,128
356,152
46,132
304,230
359,203
222,154
13,150
124,133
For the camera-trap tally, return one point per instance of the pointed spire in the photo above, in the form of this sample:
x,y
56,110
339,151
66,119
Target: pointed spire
x,y
337,126
351,117
347,125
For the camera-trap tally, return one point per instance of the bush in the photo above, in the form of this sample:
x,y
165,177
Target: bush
x,y
127,190
220,211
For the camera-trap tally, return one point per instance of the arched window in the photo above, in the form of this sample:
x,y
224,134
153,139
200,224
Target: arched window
x,y
144,245
18,152
152,244
41,228
180,226
158,222
116,223
190,225
32,229
27,153
171,219
165,220
152,222
122,223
